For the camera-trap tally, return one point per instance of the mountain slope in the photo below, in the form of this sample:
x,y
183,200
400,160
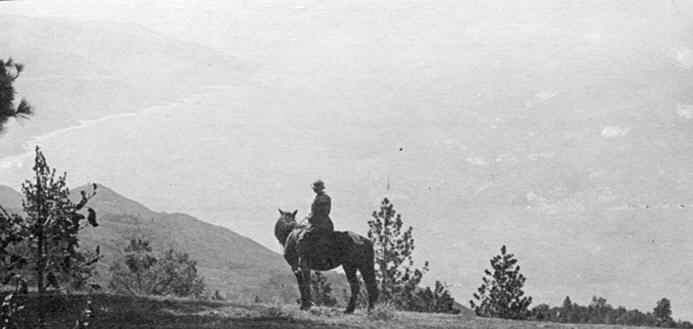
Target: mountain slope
x,y
235,265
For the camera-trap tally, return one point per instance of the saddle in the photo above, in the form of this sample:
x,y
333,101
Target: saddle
x,y
323,248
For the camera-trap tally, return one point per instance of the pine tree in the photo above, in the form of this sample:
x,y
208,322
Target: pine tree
x,y
393,243
139,260
321,290
662,313
501,293
11,229
567,311
51,227
9,72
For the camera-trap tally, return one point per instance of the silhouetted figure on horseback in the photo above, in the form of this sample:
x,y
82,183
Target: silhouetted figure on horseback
x,y
319,232
318,247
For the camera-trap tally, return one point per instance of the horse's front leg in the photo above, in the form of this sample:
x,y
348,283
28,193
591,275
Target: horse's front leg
x,y
303,276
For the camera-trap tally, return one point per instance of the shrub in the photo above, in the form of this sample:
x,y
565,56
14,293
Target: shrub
x,y
384,311
141,272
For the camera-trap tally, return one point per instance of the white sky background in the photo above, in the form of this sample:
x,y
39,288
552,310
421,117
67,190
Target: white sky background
x,y
542,119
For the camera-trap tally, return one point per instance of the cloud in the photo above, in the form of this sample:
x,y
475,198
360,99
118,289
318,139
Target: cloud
x,y
506,158
477,161
453,144
613,131
685,57
546,94
15,161
594,36
18,160
537,156
685,111
538,202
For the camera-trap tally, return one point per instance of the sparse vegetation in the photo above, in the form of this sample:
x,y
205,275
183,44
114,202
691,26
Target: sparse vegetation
x,y
384,311
139,261
275,311
436,300
141,272
600,312
321,290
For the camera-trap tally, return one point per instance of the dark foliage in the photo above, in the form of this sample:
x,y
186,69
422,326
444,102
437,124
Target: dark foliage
x,y
437,300
600,312
9,72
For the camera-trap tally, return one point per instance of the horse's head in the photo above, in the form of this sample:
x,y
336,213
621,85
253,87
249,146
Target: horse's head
x,y
285,224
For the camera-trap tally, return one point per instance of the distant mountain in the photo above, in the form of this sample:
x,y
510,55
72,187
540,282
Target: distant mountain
x,y
10,199
235,265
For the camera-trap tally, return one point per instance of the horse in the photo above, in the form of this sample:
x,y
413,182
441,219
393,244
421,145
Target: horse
x,y
348,249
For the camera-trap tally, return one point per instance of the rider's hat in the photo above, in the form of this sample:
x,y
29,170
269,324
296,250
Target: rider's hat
x,y
318,185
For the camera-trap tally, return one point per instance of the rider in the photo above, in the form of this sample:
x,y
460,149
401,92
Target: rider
x,y
319,217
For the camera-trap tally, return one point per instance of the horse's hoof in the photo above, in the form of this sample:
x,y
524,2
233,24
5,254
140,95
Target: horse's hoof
x,y
348,311
305,307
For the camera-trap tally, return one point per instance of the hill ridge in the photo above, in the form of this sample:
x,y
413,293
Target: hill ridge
x,y
236,265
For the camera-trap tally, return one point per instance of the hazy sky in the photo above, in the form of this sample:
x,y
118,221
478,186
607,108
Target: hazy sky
x,y
555,127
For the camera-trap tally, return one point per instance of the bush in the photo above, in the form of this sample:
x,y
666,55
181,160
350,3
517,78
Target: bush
x,y
141,272
437,300
176,274
385,311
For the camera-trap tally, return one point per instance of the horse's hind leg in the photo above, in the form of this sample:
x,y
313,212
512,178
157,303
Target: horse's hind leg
x,y
368,274
350,272
367,269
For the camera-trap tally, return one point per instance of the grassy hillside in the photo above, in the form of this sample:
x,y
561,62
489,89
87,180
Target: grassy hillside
x,y
112,311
